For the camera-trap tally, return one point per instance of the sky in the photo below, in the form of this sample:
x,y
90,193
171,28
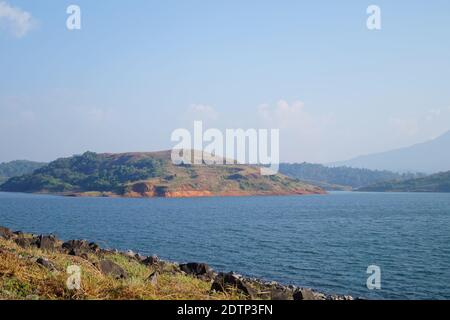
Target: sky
x,y
137,70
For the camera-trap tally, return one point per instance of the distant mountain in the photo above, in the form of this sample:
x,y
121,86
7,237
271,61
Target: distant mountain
x,y
339,178
151,175
18,168
429,157
439,182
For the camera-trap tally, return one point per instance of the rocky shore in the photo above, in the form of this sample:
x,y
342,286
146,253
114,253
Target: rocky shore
x,y
34,267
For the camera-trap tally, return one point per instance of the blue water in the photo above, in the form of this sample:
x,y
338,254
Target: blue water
x,y
324,242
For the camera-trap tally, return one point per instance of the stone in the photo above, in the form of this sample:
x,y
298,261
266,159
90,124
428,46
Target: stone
x,y
46,263
226,281
340,298
110,268
168,267
149,261
130,254
94,247
26,242
281,294
76,247
6,233
47,242
140,258
153,278
196,269
307,294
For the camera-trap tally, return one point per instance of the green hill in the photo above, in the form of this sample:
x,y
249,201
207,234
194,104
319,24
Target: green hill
x,y
340,178
439,182
151,175
17,168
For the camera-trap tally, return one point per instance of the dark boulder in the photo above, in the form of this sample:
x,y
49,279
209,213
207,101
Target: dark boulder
x,y
199,270
26,242
46,264
306,294
76,247
47,243
94,247
168,267
340,298
272,291
153,278
140,258
229,281
6,233
196,269
149,261
281,294
110,268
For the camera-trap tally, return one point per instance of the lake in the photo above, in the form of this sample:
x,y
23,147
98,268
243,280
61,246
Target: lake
x,y
324,242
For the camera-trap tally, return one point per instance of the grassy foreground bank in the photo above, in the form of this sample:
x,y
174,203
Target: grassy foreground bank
x,y
25,274
42,267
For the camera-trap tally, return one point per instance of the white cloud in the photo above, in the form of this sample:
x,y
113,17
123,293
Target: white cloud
x,y
292,116
408,127
301,130
283,114
203,112
433,114
15,20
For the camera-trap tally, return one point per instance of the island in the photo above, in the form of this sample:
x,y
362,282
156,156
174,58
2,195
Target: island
x,y
151,174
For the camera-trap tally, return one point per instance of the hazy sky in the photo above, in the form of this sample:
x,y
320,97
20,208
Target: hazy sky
x,y
137,70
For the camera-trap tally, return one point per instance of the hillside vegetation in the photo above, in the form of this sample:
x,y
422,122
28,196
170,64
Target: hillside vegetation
x,y
439,182
149,175
340,178
18,168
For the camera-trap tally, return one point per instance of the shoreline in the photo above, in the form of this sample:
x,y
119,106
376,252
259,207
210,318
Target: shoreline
x,y
188,195
44,251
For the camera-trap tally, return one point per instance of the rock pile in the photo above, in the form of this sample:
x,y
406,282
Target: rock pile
x,y
220,282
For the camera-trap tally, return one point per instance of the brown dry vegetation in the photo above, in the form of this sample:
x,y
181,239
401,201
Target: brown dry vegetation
x,y
22,278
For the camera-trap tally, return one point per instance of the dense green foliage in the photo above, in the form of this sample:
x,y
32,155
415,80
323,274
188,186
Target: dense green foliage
x,y
87,172
439,182
18,168
341,176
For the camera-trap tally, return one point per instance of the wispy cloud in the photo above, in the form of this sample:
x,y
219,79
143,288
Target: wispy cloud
x,y
203,112
292,115
407,127
15,20
302,131
425,125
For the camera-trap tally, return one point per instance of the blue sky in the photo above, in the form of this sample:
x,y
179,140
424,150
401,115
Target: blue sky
x,y
137,70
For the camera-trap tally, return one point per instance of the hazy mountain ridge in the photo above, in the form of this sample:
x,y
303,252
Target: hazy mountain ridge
x,y
151,175
429,157
340,178
439,182
18,168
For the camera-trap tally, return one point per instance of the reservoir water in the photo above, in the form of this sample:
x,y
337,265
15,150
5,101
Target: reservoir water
x,y
324,242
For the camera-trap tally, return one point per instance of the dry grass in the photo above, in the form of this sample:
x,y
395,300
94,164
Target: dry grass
x,y
22,278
